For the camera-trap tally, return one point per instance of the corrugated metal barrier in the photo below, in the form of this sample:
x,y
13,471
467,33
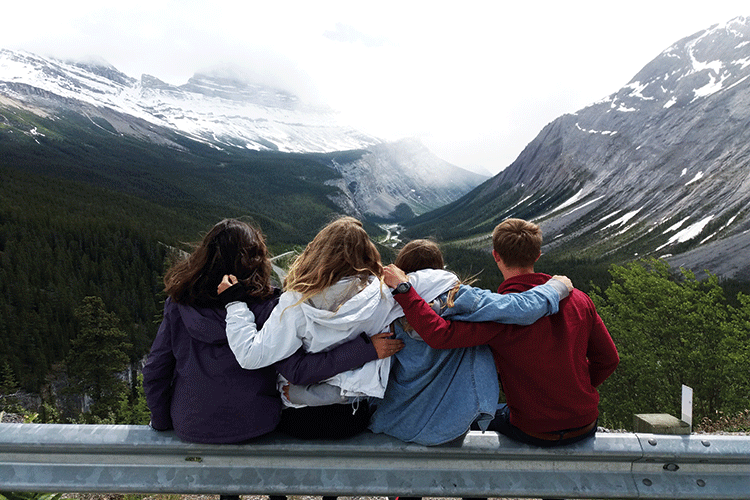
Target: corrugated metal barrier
x,y
136,459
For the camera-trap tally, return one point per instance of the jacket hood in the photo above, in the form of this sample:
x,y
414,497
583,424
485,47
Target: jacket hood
x,y
205,324
349,310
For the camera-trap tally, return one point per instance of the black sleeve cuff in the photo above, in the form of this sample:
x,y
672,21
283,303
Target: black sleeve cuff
x,y
235,293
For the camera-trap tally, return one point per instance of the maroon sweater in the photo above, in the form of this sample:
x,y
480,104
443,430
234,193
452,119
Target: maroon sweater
x,y
549,370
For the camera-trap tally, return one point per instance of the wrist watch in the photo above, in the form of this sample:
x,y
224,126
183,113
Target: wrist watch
x,y
402,288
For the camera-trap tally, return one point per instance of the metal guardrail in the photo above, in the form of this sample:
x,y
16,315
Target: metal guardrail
x,y
136,459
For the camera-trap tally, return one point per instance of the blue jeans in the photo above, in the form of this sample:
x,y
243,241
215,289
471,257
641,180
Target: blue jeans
x,y
501,423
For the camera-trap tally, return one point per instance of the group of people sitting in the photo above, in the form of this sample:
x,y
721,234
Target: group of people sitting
x,y
349,345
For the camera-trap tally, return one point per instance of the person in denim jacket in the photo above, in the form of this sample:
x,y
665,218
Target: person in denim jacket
x,y
434,395
549,370
324,313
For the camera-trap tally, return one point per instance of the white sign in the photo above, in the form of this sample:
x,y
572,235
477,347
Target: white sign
x,y
687,405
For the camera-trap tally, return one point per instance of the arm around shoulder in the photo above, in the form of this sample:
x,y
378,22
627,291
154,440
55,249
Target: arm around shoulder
x,y
256,348
476,304
303,368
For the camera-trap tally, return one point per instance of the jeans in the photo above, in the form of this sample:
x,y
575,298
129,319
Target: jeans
x,y
501,423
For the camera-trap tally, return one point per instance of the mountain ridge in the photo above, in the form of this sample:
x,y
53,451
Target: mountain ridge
x,y
226,112
659,168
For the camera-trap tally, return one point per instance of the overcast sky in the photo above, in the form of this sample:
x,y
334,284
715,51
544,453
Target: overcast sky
x,y
474,80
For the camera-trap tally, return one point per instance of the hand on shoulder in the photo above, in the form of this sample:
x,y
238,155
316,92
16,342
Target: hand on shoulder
x,y
393,275
565,280
227,281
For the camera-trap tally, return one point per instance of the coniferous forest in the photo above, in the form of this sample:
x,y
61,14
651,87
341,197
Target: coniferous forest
x,y
60,242
81,296
77,234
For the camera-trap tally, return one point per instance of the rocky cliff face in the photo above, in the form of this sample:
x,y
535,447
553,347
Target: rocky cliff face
x,y
661,167
404,172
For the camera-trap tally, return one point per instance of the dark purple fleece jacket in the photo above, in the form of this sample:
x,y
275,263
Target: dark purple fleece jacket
x,y
194,384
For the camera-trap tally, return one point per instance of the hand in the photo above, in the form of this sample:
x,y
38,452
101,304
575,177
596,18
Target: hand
x,y
565,281
227,281
393,275
386,346
285,390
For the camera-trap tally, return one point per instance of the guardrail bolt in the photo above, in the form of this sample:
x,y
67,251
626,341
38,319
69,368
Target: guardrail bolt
x,y
706,443
671,467
647,482
701,483
652,442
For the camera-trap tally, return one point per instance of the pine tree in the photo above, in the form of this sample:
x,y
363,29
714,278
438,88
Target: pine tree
x,y
97,356
8,384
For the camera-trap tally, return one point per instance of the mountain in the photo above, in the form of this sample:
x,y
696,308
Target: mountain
x,y
227,113
389,175
659,168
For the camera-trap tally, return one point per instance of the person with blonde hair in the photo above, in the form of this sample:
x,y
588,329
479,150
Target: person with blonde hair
x,y
333,292
192,381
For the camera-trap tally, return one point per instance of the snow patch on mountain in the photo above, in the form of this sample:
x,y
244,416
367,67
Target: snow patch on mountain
x,y
212,108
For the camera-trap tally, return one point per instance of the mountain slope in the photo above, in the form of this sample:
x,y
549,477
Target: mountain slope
x,y
221,118
661,167
219,109
390,175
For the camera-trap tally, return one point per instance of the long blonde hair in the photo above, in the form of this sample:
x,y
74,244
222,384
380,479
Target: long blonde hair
x,y
342,248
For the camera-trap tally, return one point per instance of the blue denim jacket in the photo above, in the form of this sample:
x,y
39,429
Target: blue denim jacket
x,y
433,395
476,304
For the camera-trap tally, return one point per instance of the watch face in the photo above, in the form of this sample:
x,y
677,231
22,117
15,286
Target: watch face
x,y
403,287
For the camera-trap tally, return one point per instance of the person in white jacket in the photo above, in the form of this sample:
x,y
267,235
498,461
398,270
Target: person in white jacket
x,y
333,293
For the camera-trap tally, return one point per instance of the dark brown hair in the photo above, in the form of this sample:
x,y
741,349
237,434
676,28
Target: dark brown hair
x,y
420,254
230,247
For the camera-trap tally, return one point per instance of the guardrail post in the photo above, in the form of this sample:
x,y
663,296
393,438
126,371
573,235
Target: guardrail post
x,y
659,423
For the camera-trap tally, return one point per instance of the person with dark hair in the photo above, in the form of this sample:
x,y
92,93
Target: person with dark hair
x,y
419,254
192,381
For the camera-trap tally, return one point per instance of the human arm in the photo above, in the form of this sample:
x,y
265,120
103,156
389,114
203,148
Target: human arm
x,y
255,348
440,333
158,373
302,368
601,352
521,308
476,304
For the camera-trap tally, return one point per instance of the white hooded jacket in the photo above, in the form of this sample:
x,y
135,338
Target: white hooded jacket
x,y
332,317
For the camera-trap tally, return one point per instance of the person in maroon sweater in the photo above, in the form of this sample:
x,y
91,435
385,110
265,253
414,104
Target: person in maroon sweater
x,y
549,370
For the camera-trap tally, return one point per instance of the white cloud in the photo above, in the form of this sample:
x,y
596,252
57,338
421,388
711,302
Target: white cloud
x,y
476,80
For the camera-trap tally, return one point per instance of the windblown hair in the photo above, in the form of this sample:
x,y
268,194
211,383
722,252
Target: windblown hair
x,y
420,254
425,254
230,247
342,248
517,242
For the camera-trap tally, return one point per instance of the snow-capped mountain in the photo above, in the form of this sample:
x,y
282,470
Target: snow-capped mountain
x,y
225,111
219,109
659,168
